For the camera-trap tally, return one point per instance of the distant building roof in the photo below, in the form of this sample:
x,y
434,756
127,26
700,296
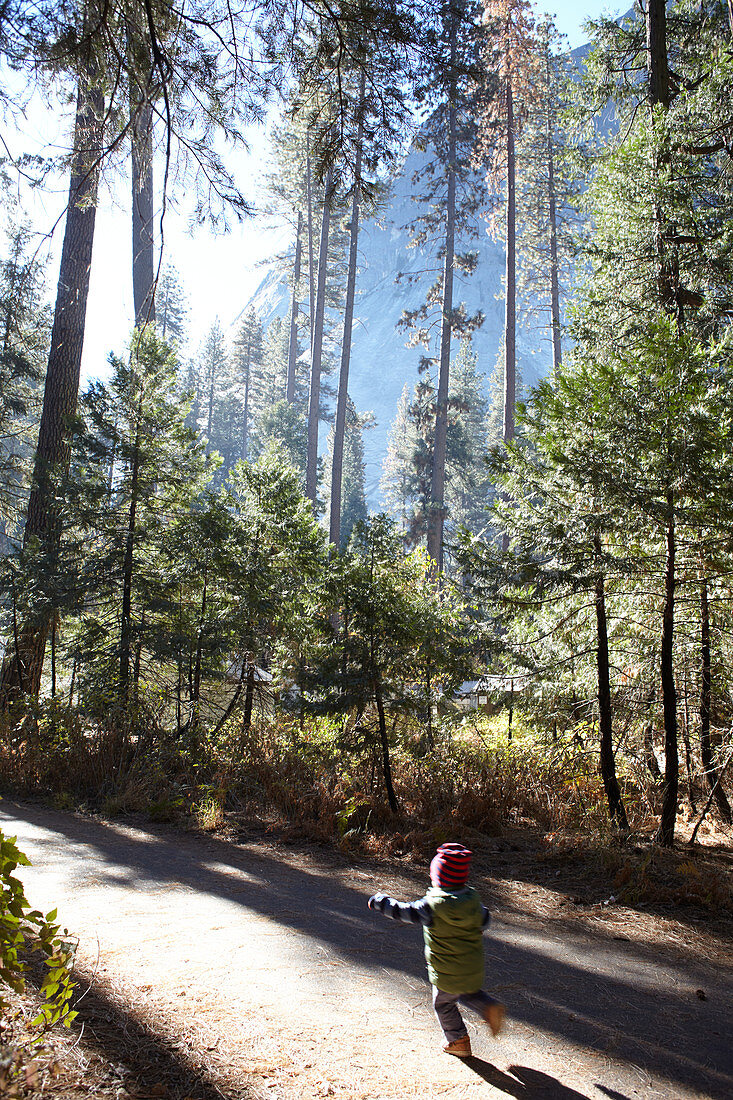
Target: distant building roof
x,y
492,683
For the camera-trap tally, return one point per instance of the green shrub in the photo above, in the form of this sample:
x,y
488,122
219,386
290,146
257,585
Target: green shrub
x,y
24,931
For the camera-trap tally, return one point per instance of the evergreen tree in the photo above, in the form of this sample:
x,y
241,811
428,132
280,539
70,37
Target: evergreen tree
x,y
172,307
214,375
649,248
353,491
547,190
511,62
247,369
407,468
42,524
136,424
24,336
397,483
468,482
283,426
450,193
393,630
245,564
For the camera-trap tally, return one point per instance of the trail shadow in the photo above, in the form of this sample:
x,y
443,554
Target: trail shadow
x,y
524,1083
506,865
604,996
141,1059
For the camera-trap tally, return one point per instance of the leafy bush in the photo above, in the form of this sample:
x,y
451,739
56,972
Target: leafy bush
x,y
24,931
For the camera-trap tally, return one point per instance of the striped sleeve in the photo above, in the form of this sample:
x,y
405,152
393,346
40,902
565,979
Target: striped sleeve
x,y
414,912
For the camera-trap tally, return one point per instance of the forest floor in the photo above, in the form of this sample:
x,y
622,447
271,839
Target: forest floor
x,y
245,968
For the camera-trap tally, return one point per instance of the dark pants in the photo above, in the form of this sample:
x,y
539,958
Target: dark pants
x,y
450,1019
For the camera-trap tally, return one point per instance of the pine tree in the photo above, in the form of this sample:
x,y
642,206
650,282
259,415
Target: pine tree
x,y
24,333
391,626
468,481
64,364
353,506
213,370
142,79
137,423
398,473
547,190
247,368
650,252
406,475
450,195
511,61
172,307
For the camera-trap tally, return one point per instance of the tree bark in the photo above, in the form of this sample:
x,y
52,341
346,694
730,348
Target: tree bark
x,y
436,514
249,696
660,96
656,48
43,519
128,565
343,390
510,310
245,408
314,403
554,266
688,750
706,753
665,834
616,808
143,253
386,765
311,262
210,404
196,681
293,341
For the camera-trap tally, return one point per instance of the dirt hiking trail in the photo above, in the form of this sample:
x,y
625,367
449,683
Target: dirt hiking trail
x,y
269,962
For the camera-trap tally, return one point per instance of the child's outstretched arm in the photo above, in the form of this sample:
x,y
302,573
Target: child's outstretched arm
x,y
412,912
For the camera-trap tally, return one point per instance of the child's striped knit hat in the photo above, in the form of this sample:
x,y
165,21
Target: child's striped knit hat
x,y
449,868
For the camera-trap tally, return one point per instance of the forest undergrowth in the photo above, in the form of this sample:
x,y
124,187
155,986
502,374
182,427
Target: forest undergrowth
x,y
319,780
532,809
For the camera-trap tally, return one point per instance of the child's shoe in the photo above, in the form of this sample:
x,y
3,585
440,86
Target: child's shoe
x,y
461,1048
494,1015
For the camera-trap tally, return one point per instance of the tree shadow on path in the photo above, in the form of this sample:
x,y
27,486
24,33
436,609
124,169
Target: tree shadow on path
x,y
138,1057
610,1002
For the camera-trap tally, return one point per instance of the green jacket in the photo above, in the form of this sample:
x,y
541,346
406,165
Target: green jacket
x,y
453,943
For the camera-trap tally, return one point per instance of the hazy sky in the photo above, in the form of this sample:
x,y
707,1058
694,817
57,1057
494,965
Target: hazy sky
x,y
219,273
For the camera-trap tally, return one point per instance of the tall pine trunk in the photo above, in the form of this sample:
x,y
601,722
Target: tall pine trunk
x,y
343,390
659,95
314,403
143,259
554,266
616,809
195,690
656,48
510,309
293,341
436,514
43,521
210,404
311,261
706,753
249,694
245,408
129,558
670,783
